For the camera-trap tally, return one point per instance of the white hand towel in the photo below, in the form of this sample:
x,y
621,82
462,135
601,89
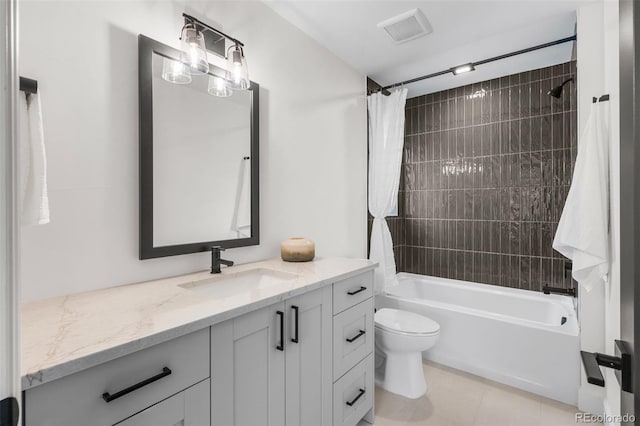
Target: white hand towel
x,y
33,162
583,230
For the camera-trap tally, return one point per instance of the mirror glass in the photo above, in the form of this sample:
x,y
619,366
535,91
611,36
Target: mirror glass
x,y
201,161
198,158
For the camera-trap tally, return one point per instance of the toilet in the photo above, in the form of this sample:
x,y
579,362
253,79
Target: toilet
x,y
401,337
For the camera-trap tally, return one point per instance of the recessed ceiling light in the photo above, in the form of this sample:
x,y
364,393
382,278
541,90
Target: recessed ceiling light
x,y
407,26
460,69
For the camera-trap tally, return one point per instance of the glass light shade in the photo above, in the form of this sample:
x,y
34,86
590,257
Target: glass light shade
x,y
175,72
218,87
194,51
237,72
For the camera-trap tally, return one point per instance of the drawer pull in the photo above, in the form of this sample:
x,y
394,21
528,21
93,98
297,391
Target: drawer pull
x,y
109,397
354,400
351,293
295,309
356,337
280,346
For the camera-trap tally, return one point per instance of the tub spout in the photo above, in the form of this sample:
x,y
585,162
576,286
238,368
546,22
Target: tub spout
x,y
568,291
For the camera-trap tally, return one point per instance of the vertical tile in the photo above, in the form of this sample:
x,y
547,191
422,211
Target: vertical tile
x,y
525,100
514,238
525,273
514,102
525,135
536,239
536,274
460,236
436,117
468,235
557,131
535,125
514,136
545,132
468,142
468,266
505,106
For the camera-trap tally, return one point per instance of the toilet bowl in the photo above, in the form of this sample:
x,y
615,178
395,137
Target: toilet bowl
x,y
401,337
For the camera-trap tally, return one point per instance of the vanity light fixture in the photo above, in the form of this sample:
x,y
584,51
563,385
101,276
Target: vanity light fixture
x,y
195,61
175,71
460,69
194,51
219,87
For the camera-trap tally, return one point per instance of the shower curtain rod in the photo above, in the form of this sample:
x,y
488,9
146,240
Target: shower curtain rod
x,y
484,61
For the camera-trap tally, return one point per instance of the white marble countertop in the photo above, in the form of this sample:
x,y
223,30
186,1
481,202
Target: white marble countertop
x,y
64,335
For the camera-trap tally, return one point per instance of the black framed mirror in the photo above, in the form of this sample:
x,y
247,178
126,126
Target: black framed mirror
x,y
199,158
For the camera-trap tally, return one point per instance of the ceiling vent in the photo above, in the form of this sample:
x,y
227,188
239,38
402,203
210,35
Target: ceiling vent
x,y
407,26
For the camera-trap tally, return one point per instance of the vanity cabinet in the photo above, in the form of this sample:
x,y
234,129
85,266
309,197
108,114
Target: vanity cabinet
x,y
273,366
305,360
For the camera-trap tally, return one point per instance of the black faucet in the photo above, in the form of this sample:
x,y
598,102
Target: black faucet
x,y
216,261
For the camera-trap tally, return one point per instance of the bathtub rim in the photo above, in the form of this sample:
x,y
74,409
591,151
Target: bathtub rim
x,y
571,327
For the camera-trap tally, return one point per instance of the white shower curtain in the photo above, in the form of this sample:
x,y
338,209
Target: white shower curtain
x,y
386,138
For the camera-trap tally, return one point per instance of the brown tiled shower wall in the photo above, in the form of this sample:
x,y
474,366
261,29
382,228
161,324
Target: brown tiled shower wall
x,y
485,173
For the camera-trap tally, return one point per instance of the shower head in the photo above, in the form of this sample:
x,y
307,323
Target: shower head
x,y
556,92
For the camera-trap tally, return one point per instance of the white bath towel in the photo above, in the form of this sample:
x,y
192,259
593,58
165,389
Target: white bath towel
x,y
33,162
583,231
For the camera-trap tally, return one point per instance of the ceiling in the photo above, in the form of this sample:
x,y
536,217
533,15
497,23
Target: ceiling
x,y
463,31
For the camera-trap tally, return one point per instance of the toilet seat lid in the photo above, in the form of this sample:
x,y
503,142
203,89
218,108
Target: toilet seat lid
x,y
405,322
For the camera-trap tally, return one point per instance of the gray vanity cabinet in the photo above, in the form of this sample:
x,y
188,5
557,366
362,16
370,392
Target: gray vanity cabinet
x,y
274,366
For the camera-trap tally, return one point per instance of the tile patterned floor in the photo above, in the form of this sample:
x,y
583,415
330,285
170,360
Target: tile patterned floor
x,y
456,398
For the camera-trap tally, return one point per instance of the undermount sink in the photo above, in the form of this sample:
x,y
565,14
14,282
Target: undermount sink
x,y
241,282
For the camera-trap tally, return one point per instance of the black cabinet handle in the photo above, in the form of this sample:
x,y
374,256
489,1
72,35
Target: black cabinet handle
x,y
356,337
354,400
109,397
280,347
351,293
295,310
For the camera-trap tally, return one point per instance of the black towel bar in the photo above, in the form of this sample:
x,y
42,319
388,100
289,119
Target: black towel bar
x,y
28,85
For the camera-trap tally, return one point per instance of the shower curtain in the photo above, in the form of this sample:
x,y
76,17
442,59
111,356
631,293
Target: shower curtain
x,y
386,138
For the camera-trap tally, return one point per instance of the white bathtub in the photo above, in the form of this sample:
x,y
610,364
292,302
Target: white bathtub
x,y
516,337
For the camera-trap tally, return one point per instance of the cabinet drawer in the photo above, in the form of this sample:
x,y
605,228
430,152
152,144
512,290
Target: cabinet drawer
x,y
78,399
187,408
351,291
353,394
353,335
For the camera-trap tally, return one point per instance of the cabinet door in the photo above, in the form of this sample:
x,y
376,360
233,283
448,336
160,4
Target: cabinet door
x,y
308,359
187,408
247,369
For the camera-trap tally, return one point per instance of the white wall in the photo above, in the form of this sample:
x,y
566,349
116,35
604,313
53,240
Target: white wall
x,y
84,55
598,66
